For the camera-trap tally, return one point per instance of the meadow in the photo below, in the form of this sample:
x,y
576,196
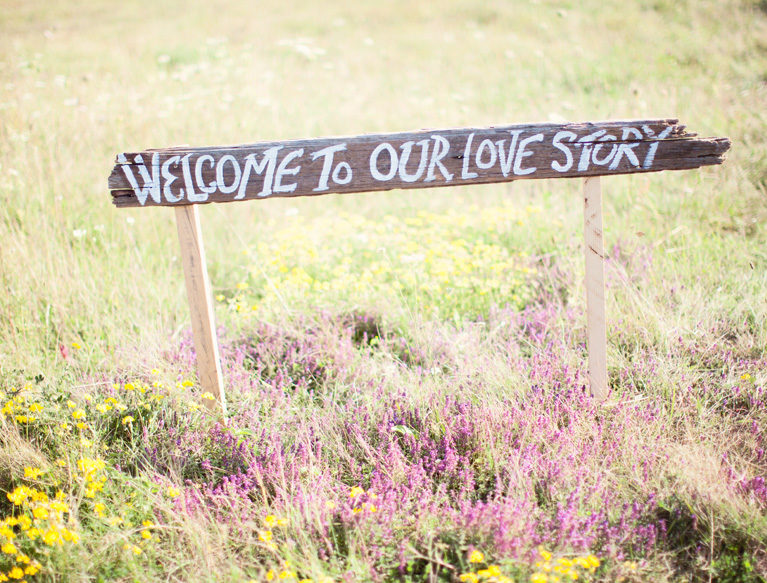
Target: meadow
x,y
405,371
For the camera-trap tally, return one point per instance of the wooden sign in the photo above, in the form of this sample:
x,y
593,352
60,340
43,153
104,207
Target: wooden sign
x,y
185,177
179,176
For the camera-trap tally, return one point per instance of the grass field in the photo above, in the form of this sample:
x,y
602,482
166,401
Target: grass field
x,y
405,371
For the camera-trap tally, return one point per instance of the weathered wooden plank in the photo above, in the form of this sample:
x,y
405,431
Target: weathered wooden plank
x,y
423,159
200,305
596,327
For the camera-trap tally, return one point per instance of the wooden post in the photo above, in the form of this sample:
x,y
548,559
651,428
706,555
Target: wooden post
x,y
200,304
595,287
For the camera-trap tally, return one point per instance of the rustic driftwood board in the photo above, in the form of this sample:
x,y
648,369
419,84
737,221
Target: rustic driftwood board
x,y
175,176
182,176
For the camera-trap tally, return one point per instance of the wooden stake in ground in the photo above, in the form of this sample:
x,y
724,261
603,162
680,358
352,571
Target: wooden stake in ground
x,y
595,287
200,304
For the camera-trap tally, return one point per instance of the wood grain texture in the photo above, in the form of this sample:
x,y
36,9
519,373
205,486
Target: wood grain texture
x,y
200,305
595,287
423,159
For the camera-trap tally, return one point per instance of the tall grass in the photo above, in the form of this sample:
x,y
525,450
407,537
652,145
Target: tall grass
x,y
406,370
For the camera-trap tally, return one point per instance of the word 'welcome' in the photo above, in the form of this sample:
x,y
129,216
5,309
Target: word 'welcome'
x,y
411,160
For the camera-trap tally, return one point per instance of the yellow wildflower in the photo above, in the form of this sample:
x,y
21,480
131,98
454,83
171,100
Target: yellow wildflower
x,y
51,537
24,522
476,557
356,491
469,578
41,512
32,473
491,571
18,496
33,533
9,549
32,569
78,414
128,419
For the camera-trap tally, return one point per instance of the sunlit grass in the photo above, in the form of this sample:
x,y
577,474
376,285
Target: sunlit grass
x,y
405,370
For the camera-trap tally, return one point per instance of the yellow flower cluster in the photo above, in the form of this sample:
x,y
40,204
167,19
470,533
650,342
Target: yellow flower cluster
x,y
93,479
562,569
17,409
436,261
356,494
145,532
265,536
37,519
172,492
548,570
492,574
287,573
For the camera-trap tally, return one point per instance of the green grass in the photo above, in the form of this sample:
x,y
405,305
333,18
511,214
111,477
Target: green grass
x,y
687,269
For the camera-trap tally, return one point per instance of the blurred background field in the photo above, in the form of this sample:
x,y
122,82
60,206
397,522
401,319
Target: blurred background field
x,y
443,297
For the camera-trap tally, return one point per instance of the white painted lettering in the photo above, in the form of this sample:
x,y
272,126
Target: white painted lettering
x,y
626,149
405,157
557,143
211,188
151,182
393,162
327,164
650,158
191,195
283,170
465,174
606,160
170,179
220,174
441,148
522,154
490,147
267,165
586,149
343,166
506,160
